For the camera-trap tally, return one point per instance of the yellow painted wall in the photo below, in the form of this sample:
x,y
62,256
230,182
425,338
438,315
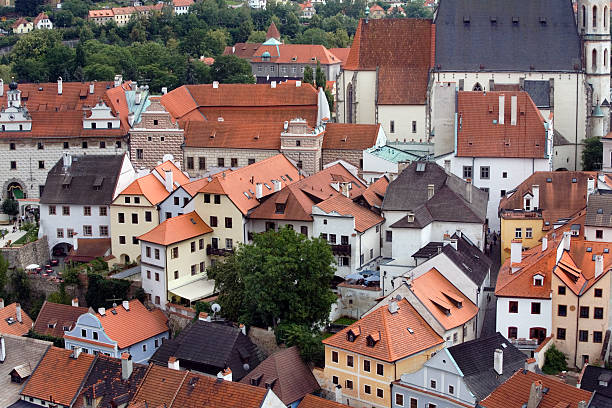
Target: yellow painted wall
x,y
128,229
225,209
508,227
186,258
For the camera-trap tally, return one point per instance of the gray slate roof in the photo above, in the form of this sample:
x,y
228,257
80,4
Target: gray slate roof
x,y
602,398
599,211
84,172
475,359
471,260
450,202
539,91
518,39
19,350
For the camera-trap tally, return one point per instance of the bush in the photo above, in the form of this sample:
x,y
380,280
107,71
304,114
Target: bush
x,y
555,361
306,339
10,206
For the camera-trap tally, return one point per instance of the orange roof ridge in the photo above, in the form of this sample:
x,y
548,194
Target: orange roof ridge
x,y
177,229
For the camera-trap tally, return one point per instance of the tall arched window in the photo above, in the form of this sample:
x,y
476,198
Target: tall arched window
x,y
584,16
594,16
349,103
605,22
477,87
594,60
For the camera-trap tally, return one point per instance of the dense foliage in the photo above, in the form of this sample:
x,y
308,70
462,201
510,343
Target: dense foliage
x,y
103,292
592,154
282,277
555,361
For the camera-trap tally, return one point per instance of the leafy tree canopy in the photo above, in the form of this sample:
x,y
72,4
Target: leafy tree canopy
x,y
592,154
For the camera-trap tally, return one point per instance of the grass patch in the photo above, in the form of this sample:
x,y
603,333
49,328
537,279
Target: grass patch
x,y
345,321
30,236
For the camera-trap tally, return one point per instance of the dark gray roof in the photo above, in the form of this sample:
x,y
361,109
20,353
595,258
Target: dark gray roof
x,y
525,35
592,376
429,250
450,202
599,210
75,184
471,260
539,91
210,347
475,359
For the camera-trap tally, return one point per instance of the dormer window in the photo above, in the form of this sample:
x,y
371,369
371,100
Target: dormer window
x,y
352,334
410,217
372,339
280,208
538,280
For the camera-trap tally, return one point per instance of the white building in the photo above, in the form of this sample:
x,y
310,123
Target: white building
x,y
257,4
42,21
77,195
501,139
182,6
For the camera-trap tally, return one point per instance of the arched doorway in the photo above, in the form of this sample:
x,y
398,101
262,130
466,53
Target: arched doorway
x,y
15,190
61,249
124,259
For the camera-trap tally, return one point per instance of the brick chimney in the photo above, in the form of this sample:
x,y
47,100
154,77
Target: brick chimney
x,y
127,366
535,395
498,361
173,363
75,302
18,313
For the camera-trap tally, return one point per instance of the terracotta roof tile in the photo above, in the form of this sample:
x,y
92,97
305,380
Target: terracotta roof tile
x,y
242,50
234,135
341,53
312,401
40,16
515,392
273,32
74,94
479,134
348,136
159,386
449,306
296,54
396,339
178,177
182,3
16,328
60,315
375,192
364,218
128,327
177,229
58,376
149,186
89,249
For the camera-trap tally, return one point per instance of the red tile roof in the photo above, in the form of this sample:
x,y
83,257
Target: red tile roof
x,y
19,22
89,249
182,3
59,316
403,72
244,180
149,186
233,135
312,401
178,177
341,53
16,328
479,134
40,16
349,136
515,392
273,32
401,334
101,13
296,54
58,376
375,192
177,229
128,327
300,196
159,386
242,50
364,218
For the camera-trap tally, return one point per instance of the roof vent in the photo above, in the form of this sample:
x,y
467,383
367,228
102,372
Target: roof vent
x,y
192,221
574,180
600,211
410,330
515,20
543,21
493,19
466,19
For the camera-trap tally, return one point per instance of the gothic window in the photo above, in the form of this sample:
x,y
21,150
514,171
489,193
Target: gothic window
x,y
349,103
594,16
594,60
477,87
584,16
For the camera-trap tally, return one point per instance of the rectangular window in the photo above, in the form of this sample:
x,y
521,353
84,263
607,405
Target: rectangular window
x,y
380,369
60,233
334,356
583,335
12,146
52,210
349,361
367,389
136,200
128,199
102,145
392,126
121,218
84,144
561,290
217,199
41,164
69,232
87,210
414,403
201,163
598,292
193,246
584,312
250,161
135,240
228,222
332,238
213,221
389,236
414,126
174,253
335,380
229,243
122,239
201,243
207,198
234,162
467,172
451,389
484,172
193,270
561,310
202,266
433,384
157,276
348,385
148,274
599,234
220,162
189,163
560,333
518,233
381,394
535,307
13,165
528,233
148,251
366,366
399,399
103,211
512,332
598,313
304,230
95,335
597,337
513,306
103,230
148,217
65,210
139,154
156,253
83,333
134,218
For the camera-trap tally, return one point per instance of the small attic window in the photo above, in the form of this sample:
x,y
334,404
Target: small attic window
x,y
543,21
515,20
97,185
466,19
192,221
538,280
352,335
246,194
600,211
493,19
593,257
547,223
267,186
289,177
410,330
606,251
371,340
589,249
280,208
256,380
549,180
574,180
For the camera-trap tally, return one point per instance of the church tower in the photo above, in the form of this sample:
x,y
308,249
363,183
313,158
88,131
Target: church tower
x,y
593,22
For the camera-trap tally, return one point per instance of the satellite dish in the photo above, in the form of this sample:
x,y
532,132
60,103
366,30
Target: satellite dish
x,y
216,308
246,367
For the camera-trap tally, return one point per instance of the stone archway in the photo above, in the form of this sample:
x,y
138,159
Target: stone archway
x,y
11,186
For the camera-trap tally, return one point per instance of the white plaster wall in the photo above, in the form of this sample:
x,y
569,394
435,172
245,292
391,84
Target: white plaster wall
x,y
523,320
76,220
257,226
168,205
589,233
151,286
403,116
374,167
390,217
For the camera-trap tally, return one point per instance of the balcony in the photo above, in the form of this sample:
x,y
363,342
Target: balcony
x,y
218,251
344,250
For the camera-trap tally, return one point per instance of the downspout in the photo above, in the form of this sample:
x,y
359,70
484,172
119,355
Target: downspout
x,y
376,97
576,138
577,331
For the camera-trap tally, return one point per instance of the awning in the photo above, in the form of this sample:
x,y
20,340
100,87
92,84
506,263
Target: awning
x,y
195,290
17,193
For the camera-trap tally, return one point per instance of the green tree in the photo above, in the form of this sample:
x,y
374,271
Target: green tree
x,y
417,9
3,274
592,154
10,206
308,75
27,7
306,339
231,69
257,37
554,361
281,277
320,80
21,285
101,291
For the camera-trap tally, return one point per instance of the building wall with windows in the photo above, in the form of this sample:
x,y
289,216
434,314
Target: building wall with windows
x,y
495,175
282,71
601,234
579,334
404,123
510,228
186,262
523,319
174,204
199,160
130,217
61,222
153,273
257,226
220,213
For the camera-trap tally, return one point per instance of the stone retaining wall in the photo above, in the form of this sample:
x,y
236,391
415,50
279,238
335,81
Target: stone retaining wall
x,y
36,252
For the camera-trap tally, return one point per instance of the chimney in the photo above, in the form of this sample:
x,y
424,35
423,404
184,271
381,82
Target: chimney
x,y
67,159
2,350
298,84
169,181
590,187
258,190
516,253
91,87
453,243
131,118
138,96
1,303
75,302
225,375
344,189
173,363
447,166
393,307
127,366
1,87
59,85
75,241
468,190
126,305
513,109
544,243
430,191
277,185
273,84
535,190
567,240
18,313
102,311
76,352
498,361
535,395
204,317
164,90
134,85
446,239
530,364
338,394
215,84
242,328
582,404
501,109
599,265
118,80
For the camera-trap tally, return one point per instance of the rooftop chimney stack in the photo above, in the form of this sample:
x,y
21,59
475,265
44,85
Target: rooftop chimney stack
x,y
75,302
76,352
544,243
393,307
567,240
164,90
513,109
1,87
59,85
242,328
67,159
501,109
91,88
535,190
226,374
169,182
127,366
273,84
126,305
338,394
173,363
138,96
215,84
18,313
1,303
590,187
258,190
453,243
516,253
599,265
535,395
102,311
2,350
118,80
498,361
468,190
277,185
204,317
